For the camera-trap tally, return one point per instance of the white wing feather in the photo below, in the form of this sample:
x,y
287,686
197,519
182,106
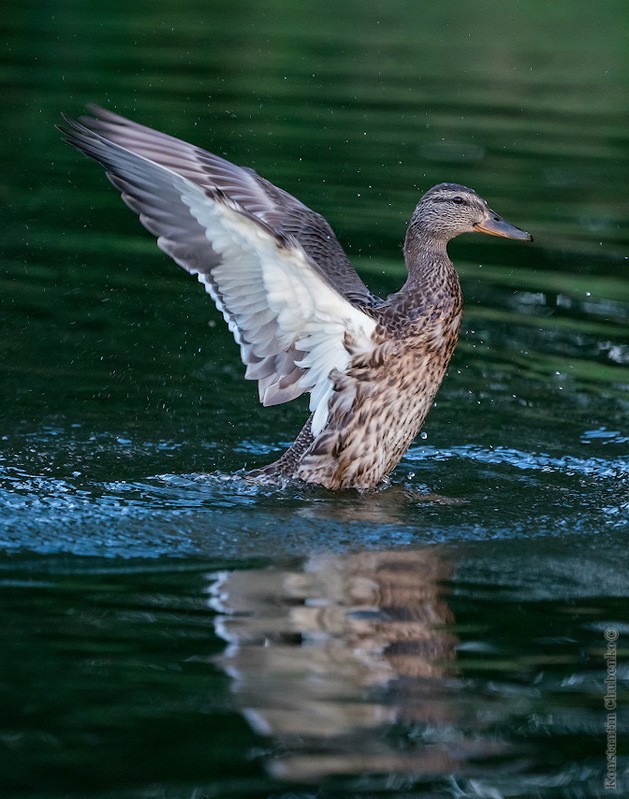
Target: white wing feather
x,y
261,283
293,326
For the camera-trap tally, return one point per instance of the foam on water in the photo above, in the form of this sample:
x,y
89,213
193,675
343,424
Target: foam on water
x,y
194,514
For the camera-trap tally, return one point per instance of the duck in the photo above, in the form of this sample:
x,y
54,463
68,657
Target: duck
x,y
304,320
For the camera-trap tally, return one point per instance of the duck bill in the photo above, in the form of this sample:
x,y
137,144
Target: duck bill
x,y
494,225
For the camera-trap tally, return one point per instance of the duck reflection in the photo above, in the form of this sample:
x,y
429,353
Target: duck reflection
x,y
346,662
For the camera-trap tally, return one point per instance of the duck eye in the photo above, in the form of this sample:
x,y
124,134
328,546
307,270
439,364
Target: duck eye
x,y
458,200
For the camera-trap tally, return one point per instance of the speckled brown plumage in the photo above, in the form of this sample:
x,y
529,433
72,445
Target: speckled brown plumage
x,y
303,318
379,404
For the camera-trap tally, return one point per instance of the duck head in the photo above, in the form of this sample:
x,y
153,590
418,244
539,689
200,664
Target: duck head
x,y
448,209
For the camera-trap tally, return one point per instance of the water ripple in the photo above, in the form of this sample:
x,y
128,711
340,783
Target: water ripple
x,y
184,514
566,464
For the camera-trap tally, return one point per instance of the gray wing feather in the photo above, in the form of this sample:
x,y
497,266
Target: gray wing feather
x,y
282,212
173,187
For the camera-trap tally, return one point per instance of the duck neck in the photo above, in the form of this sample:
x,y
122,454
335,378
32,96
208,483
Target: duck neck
x,y
432,277
422,246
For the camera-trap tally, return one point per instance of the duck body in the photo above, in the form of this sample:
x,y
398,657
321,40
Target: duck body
x,y
379,403
304,320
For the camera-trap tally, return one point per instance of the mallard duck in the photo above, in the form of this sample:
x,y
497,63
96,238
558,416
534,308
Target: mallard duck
x,y
303,318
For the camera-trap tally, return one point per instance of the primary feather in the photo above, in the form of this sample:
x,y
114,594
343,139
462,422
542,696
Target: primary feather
x,y
222,223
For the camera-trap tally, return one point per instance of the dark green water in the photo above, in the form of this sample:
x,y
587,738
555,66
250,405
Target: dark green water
x,y
168,631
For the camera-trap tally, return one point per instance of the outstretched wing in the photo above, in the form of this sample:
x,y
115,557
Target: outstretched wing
x,y
293,326
284,213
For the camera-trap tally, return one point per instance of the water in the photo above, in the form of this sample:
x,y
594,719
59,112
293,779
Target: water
x,y
169,630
